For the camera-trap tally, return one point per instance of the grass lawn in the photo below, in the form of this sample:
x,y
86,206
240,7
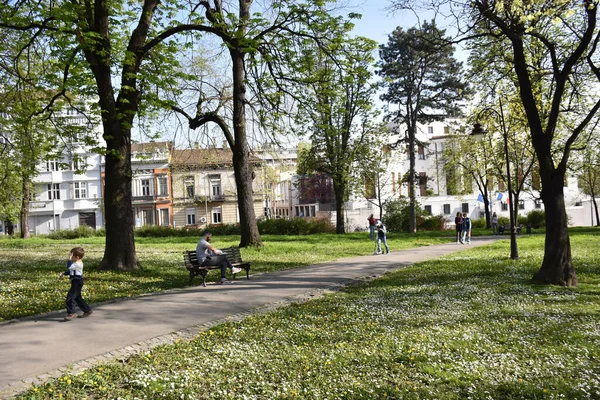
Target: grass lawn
x,y
29,268
464,326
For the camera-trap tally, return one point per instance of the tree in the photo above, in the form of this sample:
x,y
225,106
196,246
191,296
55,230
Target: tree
x,y
566,34
261,47
371,172
424,80
32,131
557,94
336,111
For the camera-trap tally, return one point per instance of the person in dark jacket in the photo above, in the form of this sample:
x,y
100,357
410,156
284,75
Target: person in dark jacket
x,y
75,273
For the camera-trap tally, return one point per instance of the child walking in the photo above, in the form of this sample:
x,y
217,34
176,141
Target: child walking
x,y
382,237
75,272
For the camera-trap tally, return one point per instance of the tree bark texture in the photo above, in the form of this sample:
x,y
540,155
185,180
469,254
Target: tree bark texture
x,y
411,178
339,189
557,266
119,253
25,209
250,235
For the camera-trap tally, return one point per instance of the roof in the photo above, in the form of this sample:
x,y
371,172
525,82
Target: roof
x,y
150,147
205,157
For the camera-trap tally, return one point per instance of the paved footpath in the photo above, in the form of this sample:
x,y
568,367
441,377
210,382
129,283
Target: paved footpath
x,y
33,350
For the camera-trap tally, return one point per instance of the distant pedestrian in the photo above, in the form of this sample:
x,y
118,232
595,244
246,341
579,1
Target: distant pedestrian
x,y
494,224
209,255
372,223
75,272
466,229
382,237
458,221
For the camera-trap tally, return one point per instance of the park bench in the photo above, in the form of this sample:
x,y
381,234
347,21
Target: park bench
x,y
233,254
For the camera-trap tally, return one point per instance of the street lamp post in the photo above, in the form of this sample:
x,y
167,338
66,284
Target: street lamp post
x,y
479,132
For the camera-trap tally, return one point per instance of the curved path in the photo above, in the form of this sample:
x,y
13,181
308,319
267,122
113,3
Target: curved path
x,y
35,349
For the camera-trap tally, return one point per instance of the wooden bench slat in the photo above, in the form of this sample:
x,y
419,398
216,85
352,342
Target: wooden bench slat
x,y
233,254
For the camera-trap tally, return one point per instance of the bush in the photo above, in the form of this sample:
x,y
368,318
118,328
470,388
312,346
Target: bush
x,y
159,231
397,215
433,223
82,231
522,220
295,226
537,218
478,223
504,221
222,229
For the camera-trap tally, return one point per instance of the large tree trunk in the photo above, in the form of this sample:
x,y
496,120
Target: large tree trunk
x,y
595,209
119,252
250,235
486,207
557,267
411,180
25,209
339,192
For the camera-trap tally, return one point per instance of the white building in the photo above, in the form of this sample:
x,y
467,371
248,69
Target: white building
x,y
432,192
68,189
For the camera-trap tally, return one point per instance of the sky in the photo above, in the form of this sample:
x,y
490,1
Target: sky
x,y
377,23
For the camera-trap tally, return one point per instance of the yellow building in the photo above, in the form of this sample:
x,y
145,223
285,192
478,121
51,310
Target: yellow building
x,y
204,189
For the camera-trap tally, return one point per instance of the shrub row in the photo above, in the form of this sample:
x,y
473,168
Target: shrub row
x,y
295,226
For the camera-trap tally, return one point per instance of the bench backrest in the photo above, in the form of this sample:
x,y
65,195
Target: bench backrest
x,y
233,255
190,258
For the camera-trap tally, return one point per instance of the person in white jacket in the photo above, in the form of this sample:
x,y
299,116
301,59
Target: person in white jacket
x,y
382,237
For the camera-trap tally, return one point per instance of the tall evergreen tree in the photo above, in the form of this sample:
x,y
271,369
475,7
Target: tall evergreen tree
x,y
424,81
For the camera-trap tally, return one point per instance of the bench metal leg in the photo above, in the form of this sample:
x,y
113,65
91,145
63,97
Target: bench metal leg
x,y
204,273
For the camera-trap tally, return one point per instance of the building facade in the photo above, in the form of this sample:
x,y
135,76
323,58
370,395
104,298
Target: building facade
x,y
204,188
151,186
68,189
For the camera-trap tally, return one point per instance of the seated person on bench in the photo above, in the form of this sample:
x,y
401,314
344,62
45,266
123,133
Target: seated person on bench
x,y
209,255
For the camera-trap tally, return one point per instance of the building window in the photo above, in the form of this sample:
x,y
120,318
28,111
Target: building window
x,y
190,216
430,130
216,215
54,191
428,210
163,216
501,186
423,183
52,165
447,209
521,204
188,183
504,206
145,187
79,164
538,203
215,186
421,152
578,203
465,207
446,130
79,190
163,187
